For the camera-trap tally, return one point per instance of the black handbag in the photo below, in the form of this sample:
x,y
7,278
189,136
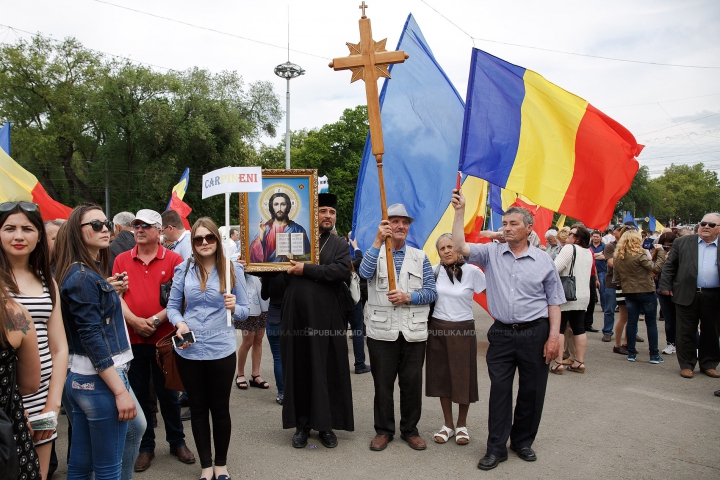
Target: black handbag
x,y
9,462
166,287
568,282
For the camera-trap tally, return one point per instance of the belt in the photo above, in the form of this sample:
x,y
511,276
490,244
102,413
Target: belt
x,y
705,289
524,325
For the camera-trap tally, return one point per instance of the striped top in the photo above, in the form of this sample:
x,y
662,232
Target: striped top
x,y
40,309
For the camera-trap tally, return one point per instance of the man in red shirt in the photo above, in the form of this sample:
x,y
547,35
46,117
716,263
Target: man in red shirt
x,y
147,266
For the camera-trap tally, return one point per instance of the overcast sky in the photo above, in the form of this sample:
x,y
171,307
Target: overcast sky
x,y
652,101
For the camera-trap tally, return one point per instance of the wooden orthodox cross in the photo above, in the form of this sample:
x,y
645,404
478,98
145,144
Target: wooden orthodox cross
x,y
368,60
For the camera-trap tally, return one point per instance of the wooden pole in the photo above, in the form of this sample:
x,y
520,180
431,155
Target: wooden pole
x,y
388,241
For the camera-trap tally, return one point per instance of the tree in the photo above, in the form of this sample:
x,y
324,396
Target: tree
x,y
336,151
82,118
688,192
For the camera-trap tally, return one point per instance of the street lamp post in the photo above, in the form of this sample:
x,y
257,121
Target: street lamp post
x,y
288,71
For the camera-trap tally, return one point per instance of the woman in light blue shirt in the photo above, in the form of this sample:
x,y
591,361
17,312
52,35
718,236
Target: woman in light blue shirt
x,y
207,366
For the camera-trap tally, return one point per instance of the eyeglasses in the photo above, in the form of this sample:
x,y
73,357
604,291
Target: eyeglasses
x,y
97,225
702,224
210,238
144,226
27,206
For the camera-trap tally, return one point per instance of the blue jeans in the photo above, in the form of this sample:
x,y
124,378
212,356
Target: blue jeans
x,y
356,324
98,436
136,429
642,303
143,367
609,310
272,332
601,279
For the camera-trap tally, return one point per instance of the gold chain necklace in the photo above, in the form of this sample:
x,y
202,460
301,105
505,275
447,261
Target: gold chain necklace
x,y
323,245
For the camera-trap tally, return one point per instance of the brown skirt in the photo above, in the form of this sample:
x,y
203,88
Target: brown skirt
x,y
252,323
451,361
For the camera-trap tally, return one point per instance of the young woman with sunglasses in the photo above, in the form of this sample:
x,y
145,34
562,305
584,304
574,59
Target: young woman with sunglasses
x,y
97,385
207,366
25,269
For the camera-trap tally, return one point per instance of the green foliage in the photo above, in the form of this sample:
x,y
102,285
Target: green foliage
x,y
80,117
336,151
683,193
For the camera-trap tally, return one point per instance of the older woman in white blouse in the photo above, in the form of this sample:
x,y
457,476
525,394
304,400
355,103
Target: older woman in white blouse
x,y
451,371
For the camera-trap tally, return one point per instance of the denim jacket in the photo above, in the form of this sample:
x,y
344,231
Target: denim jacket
x,y
92,314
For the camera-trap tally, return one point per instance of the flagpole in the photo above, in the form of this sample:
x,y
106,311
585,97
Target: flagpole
x,y
227,258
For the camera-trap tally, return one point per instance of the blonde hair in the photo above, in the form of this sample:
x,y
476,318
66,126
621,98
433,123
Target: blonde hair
x,y
629,244
563,234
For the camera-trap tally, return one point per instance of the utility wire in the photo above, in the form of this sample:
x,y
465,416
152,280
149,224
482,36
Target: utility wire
x,y
560,51
210,29
14,29
678,124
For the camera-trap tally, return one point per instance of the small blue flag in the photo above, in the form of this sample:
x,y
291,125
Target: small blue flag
x,y
5,138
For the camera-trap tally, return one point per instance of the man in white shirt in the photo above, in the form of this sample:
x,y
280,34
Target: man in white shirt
x,y
174,230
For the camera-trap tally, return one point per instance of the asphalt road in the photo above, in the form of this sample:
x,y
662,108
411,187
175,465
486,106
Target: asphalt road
x,y
618,420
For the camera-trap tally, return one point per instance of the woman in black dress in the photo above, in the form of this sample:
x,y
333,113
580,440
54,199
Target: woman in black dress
x,y
21,377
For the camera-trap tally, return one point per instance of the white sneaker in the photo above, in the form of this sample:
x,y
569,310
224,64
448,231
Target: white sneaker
x,y
669,350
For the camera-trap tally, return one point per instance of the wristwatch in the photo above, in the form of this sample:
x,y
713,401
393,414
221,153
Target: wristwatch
x,y
156,320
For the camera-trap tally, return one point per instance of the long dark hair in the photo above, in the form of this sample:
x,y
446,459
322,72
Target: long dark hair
x,y
39,258
70,246
219,255
5,302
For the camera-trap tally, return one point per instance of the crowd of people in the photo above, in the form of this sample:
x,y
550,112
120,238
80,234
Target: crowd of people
x,y
87,301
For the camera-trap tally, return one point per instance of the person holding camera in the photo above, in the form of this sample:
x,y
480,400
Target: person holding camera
x,y
206,343
147,266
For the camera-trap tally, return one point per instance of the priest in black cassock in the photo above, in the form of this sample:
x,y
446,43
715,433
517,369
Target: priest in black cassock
x,y
313,341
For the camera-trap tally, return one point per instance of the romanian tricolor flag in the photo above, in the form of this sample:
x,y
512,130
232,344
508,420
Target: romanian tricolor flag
x,y
530,136
16,183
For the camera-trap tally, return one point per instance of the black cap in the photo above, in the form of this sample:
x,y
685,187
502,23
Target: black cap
x,y
327,200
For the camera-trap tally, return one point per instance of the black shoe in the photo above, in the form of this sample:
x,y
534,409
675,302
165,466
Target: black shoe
x,y
299,440
328,439
717,393
185,416
591,329
490,461
525,453
363,369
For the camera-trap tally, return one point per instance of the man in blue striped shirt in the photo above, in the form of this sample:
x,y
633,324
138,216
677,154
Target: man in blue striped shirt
x,y
388,313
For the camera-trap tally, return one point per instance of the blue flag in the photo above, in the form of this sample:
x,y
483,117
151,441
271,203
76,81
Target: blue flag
x,y
652,224
422,117
629,218
5,138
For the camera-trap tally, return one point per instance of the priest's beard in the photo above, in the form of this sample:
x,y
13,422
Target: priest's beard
x,y
324,229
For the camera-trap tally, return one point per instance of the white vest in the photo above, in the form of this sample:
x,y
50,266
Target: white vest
x,y
383,320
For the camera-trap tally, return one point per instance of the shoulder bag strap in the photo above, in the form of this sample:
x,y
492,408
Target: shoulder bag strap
x,y
572,265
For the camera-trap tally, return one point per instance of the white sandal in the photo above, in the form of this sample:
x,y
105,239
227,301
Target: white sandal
x,y
445,433
461,436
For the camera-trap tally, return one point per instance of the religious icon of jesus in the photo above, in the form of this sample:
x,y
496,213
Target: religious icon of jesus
x,y
279,237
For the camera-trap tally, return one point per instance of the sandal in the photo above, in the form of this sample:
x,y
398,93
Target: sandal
x,y
241,385
444,434
261,384
557,368
461,436
567,361
579,369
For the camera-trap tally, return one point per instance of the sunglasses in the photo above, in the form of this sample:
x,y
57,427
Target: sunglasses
x,y
210,239
573,234
667,247
97,225
702,224
27,206
144,226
